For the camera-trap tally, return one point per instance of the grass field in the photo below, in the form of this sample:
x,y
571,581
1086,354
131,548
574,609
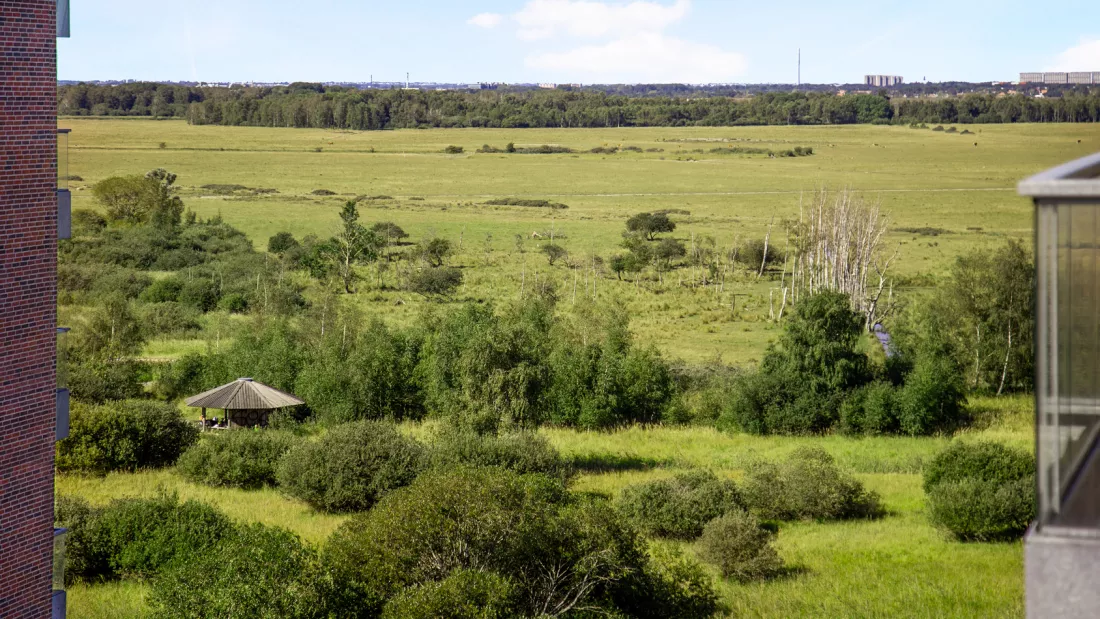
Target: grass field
x,y
924,179
896,566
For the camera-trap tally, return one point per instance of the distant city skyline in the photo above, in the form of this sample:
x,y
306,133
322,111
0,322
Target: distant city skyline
x,y
574,41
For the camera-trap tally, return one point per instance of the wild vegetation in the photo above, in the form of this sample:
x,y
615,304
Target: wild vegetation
x,y
795,466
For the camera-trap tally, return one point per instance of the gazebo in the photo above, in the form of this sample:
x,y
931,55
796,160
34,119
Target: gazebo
x,y
246,402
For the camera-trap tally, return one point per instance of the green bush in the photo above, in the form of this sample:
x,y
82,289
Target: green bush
x,y
522,452
124,436
679,507
200,294
162,290
872,409
138,537
74,514
100,381
739,547
562,552
464,594
435,282
984,461
807,485
979,510
239,459
168,318
933,398
350,467
453,150
256,571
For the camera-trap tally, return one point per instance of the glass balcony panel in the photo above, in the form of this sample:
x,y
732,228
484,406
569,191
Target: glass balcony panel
x,y
63,158
62,357
59,537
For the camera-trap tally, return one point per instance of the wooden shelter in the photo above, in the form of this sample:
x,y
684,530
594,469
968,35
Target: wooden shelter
x,y
246,402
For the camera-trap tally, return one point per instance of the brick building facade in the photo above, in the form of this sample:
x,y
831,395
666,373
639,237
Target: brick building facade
x,y
28,308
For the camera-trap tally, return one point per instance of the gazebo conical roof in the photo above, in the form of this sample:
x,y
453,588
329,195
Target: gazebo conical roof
x,y
243,394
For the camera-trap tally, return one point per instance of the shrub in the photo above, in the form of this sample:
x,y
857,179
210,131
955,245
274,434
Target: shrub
x,y
162,290
870,410
136,537
739,547
674,586
87,221
234,303
440,282
563,553
281,243
454,150
679,507
522,452
200,294
74,514
464,594
168,318
256,571
236,459
985,461
104,381
554,253
124,436
807,485
979,510
350,467
933,398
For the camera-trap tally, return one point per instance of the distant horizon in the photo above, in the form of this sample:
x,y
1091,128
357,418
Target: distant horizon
x,y
577,41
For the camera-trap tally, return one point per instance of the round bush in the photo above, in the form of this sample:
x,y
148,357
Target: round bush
x,y
679,507
978,510
561,551
137,537
808,484
523,452
739,547
256,571
933,398
985,461
124,436
465,594
237,459
162,290
350,467
200,294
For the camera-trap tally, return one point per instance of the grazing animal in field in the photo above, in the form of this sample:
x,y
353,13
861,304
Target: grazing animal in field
x,y
975,143
536,235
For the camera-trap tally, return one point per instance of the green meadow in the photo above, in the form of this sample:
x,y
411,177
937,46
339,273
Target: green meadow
x,y
945,194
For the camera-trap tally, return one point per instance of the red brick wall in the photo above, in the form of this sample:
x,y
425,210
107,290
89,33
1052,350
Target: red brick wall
x,y
28,308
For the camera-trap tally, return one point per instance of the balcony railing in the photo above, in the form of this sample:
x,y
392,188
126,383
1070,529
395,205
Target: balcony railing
x,y
64,198
59,538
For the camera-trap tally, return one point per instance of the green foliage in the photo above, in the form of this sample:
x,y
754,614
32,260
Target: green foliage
x,y
522,452
752,254
435,282
463,594
650,225
984,461
667,250
141,199
97,381
124,436
973,509
453,150
933,398
138,537
111,333
87,221
807,485
350,467
254,571
389,231
740,548
803,380
554,253
679,507
281,243
526,202
562,553
872,410
434,251
168,319
200,294
164,290
238,459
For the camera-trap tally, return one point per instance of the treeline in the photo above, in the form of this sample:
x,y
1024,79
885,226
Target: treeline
x,y
304,105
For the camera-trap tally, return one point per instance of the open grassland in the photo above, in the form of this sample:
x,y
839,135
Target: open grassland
x,y
945,194
897,566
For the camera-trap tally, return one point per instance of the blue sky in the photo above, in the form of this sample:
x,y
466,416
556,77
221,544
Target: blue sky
x,y
575,40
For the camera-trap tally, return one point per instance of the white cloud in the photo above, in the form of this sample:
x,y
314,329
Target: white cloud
x,y
644,57
1082,57
541,19
486,20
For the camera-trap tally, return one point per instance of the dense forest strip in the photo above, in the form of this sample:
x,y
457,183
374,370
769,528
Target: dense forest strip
x,y
335,107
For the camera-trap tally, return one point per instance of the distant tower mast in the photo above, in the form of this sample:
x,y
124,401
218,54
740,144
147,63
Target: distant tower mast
x,y
406,80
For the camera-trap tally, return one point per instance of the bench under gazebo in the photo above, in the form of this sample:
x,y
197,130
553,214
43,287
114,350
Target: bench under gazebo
x,y
246,403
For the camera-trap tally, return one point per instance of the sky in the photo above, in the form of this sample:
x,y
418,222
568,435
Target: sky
x,y
576,41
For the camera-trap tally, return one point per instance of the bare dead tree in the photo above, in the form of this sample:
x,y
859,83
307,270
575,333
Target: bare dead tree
x,y
838,242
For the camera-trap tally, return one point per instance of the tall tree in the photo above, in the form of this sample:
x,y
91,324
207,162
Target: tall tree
x,y
353,245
